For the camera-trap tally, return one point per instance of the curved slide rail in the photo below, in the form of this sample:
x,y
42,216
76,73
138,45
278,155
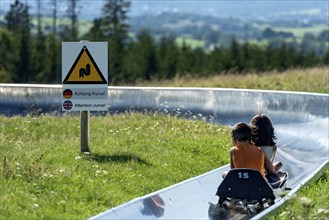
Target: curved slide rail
x,y
301,121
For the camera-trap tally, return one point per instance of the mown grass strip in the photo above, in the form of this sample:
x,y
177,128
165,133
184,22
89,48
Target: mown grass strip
x,y
301,80
44,175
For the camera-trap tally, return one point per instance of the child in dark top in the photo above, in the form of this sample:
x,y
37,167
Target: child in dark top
x,y
263,136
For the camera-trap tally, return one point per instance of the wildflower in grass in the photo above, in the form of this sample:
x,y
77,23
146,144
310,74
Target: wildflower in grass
x,y
283,214
98,172
101,173
62,202
48,175
305,201
322,211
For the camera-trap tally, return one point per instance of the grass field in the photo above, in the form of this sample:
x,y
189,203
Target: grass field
x,y
302,80
192,43
44,175
299,32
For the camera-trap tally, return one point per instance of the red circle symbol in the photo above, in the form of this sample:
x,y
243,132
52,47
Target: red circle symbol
x,y
67,93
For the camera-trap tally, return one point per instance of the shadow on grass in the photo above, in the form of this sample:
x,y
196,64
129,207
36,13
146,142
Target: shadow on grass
x,y
117,158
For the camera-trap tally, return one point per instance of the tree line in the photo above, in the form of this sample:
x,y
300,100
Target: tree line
x,y
28,57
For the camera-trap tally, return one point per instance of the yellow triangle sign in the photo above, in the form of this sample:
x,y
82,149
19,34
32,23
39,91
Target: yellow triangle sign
x,y
84,70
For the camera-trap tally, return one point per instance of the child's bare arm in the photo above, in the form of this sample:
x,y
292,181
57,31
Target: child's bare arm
x,y
269,166
231,158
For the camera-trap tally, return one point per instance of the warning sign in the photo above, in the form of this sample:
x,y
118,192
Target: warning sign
x,y
84,70
84,76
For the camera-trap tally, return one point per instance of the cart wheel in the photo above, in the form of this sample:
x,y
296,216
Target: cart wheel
x,y
270,202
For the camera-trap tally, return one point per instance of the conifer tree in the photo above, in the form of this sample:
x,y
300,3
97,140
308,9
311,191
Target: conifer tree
x,y
246,57
17,20
270,58
96,33
114,28
145,55
53,54
215,61
258,60
130,64
282,57
326,58
185,60
54,2
234,54
40,61
167,53
198,62
74,20
9,55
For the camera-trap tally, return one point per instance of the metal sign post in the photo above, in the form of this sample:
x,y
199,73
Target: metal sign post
x,y
84,78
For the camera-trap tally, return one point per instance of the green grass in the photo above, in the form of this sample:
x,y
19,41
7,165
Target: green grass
x,y
311,202
302,80
299,32
44,175
191,42
83,25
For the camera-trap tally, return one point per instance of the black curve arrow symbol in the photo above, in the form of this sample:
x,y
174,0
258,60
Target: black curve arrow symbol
x,y
84,71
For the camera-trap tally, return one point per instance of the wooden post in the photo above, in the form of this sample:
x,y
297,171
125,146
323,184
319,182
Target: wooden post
x,y
84,131
84,127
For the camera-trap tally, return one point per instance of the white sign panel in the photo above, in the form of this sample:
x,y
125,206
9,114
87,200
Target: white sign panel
x,y
84,76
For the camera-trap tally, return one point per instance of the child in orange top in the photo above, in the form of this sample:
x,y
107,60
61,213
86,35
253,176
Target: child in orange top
x,y
245,154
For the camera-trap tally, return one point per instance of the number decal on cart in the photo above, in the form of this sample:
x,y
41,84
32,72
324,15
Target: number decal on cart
x,y
243,175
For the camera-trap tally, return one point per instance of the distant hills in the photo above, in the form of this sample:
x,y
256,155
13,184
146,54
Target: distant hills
x,y
265,10
241,9
210,22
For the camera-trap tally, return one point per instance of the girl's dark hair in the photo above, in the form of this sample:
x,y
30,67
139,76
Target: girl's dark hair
x,y
262,131
241,131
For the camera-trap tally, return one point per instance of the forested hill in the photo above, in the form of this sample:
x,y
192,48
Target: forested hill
x,y
166,44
